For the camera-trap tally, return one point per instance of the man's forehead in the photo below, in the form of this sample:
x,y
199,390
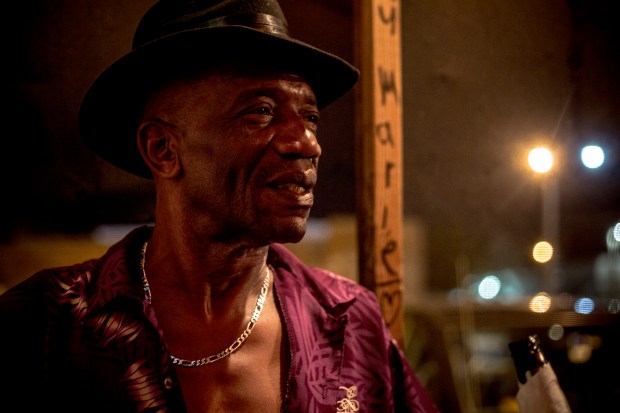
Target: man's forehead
x,y
224,91
246,85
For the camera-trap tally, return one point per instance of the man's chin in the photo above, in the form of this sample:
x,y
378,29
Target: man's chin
x,y
291,233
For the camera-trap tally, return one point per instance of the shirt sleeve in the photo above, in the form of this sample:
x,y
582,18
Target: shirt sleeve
x,y
409,394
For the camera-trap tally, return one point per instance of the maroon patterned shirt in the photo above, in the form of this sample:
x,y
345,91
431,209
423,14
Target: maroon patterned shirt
x,y
85,339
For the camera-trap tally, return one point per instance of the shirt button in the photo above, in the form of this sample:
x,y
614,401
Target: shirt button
x,y
168,383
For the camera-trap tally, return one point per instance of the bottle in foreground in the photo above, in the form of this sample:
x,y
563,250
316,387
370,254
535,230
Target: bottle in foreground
x,y
539,389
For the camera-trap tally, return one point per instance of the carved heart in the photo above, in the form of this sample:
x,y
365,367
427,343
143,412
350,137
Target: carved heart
x,y
391,303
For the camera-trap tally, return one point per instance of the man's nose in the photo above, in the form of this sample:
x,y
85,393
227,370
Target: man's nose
x,y
296,139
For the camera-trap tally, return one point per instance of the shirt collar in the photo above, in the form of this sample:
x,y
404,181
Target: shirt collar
x,y
117,273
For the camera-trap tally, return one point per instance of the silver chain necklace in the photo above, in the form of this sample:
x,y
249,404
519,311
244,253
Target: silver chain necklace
x,y
260,302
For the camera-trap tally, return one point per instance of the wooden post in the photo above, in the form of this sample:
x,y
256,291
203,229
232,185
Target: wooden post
x,y
379,157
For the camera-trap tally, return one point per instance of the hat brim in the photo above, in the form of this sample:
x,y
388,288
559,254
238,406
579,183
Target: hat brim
x,y
111,108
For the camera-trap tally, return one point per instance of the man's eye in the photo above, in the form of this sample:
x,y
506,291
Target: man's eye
x,y
313,118
263,110
260,114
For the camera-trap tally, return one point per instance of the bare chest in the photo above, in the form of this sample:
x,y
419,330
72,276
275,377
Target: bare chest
x,y
252,379
232,389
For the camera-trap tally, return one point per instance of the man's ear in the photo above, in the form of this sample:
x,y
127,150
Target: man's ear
x,y
157,145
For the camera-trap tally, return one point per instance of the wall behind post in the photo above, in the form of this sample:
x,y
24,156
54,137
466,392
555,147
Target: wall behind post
x,y
485,80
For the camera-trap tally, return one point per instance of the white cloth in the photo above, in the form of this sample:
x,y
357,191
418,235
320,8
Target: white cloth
x,y
541,393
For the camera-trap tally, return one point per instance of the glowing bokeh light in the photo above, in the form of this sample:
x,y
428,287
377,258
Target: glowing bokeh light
x,y
584,305
540,160
489,287
592,156
614,306
612,238
540,303
542,251
556,332
579,348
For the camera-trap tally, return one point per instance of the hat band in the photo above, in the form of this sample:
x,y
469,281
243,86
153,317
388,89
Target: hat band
x,y
263,22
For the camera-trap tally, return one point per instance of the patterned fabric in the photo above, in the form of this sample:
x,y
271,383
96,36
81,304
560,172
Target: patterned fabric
x,y
83,338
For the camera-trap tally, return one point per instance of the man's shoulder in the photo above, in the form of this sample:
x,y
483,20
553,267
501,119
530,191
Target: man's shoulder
x,y
329,288
32,290
282,258
95,280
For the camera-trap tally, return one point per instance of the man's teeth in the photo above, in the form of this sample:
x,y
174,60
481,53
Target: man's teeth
x,y
298,189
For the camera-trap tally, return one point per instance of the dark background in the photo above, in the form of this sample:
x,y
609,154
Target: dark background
x,y
483,81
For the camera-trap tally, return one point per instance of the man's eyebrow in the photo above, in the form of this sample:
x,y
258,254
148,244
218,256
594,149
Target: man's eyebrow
x,y
254,93
271,92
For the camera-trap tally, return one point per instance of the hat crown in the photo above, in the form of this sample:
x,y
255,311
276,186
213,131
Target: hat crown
x,y
168,17
177,36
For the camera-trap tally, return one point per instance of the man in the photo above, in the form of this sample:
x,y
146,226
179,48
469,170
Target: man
x,y
206,312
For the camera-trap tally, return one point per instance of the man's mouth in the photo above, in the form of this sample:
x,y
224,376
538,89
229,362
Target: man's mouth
x,y
292,187
295,187
298,182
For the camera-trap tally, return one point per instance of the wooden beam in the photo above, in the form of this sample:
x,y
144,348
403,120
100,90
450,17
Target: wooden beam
x,y
379,156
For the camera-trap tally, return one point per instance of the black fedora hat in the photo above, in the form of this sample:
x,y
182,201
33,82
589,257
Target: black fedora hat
x,y
176,35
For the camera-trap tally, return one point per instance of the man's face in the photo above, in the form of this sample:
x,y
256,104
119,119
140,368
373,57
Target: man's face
x,y
249,154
